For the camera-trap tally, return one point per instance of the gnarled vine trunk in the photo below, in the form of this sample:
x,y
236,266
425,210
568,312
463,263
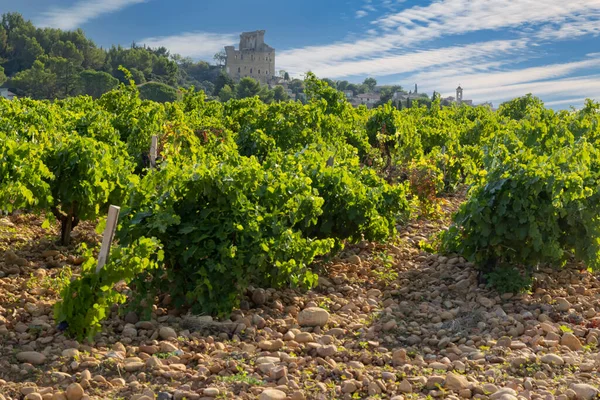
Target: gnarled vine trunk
x,y
68,221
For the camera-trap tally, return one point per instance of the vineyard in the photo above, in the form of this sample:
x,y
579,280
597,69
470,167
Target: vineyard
x,y
299,251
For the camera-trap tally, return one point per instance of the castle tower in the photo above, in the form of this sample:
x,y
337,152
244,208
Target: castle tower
x,y
415,88
254,58
459,95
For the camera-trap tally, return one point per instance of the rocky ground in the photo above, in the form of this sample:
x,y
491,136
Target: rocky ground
x,y
385,322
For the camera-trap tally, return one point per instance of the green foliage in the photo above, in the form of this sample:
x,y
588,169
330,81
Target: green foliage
x,y
88,176
229,221
23,175
538,203
86,301
96,83
247,87
509,279
158,92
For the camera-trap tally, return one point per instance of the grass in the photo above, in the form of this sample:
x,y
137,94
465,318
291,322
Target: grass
x,y
241,377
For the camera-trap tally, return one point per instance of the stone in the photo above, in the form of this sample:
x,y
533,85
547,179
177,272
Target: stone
x,y
456,382
373,389
259,297
272,394
584,391
34,396
133,366
167,333
349,387
313,316
571,341
304,337
405,386
31,357
271,345
504,394
211,392
354,260
553,359
167,347
131,318
164,396
70,353
390,325
487,303
297,396
267,360
74,391
278,372
562,304
399,356
434,381
327,351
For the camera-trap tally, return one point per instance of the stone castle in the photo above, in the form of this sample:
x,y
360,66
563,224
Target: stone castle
x,y
254,59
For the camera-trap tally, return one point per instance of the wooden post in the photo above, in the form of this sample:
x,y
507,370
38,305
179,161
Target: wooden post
x,y
109,233
153,149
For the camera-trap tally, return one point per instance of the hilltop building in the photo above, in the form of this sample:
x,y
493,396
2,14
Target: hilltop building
x,y
254,58
7,94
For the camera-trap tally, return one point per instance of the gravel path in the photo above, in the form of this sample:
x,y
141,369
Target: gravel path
x,y
385,322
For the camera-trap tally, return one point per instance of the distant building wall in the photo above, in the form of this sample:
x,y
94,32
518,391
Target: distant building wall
x,y
254,58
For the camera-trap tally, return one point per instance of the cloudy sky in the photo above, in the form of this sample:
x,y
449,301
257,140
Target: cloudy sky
x,y
496,49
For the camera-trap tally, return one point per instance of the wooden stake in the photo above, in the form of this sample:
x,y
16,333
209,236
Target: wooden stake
x,y
153,149
109,233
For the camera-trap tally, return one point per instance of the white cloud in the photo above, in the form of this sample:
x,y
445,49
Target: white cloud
x,y
476,84
361,14
419,60
199,45
75,16
405,29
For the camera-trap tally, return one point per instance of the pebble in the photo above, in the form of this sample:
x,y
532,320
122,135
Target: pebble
x,y
32,357
74,391
313,316
167,333
272,394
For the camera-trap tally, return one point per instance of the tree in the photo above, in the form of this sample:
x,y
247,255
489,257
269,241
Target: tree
x,y
296,86
226,93
157,91
247,87
207,86
2,76
342,85
36,82
67,50
67,76
165,70
329,82
370,83
286,77
266,94
96,83
220,58
354,87
279,94
222,80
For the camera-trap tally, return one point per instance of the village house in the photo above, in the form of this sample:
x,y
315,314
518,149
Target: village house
x,y
7,94
368,99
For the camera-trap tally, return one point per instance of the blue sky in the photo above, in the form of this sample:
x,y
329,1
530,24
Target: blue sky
x,y
496,49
